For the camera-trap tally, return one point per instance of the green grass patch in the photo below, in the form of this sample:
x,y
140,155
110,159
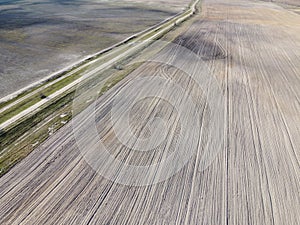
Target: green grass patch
x,y
30,101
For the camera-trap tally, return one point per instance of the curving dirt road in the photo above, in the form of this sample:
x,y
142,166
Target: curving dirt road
x,y
253,50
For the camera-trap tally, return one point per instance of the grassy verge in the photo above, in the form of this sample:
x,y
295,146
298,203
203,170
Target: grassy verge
x,y
16,148
30,101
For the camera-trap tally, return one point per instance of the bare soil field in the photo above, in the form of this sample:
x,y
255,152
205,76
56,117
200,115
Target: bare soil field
x,y
38,38
252,50
292,5
287,2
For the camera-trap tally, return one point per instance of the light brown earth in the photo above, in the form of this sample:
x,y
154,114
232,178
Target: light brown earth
x,y
253,49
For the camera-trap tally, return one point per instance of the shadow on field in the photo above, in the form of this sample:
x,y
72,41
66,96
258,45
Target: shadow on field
x,y
206,49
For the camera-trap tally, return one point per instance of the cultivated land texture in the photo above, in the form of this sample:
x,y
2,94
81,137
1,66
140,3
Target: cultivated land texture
x,y
38,38
252,48
288,2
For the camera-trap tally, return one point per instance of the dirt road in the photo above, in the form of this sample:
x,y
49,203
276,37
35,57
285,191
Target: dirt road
x,y
252,48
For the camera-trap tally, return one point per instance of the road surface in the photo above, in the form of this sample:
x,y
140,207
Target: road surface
x,y
252,49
